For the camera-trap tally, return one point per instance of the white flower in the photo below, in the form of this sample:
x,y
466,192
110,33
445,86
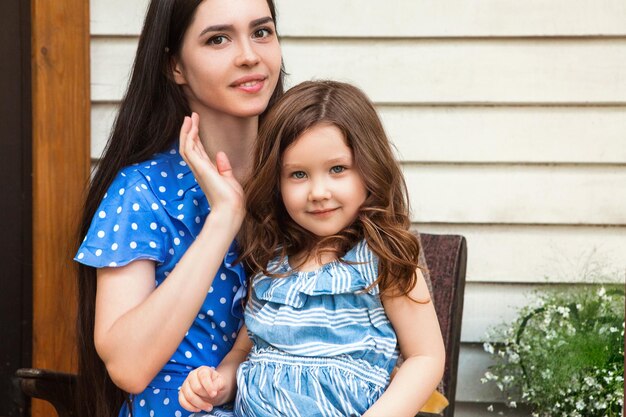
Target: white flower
x,y
490,376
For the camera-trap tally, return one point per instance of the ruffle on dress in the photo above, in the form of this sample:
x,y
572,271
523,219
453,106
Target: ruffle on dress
x,y
352,273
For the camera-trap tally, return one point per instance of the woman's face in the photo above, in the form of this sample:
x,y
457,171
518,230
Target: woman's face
x,y
230,59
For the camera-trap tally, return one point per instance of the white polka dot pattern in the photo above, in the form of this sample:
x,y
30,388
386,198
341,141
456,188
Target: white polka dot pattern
x,y
155,210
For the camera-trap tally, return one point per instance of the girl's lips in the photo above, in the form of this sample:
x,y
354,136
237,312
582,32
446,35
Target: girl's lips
x,y
322,213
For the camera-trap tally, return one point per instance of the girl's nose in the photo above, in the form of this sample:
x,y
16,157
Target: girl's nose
x,y
319,191
248,56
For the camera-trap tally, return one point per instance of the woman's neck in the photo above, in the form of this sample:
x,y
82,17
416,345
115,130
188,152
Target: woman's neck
x,y
234,136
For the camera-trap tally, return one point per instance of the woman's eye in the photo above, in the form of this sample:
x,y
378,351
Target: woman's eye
x,y
262,33
298,175
337,169
217,40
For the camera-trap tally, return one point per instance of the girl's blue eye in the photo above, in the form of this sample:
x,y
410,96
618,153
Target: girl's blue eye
x,y
337,169
298,175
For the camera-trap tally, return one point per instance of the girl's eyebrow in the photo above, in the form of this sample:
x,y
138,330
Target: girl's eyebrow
x,y
340,160
227,28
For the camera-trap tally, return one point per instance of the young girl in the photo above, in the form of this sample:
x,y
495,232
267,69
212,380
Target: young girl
x,y
157,247
337,292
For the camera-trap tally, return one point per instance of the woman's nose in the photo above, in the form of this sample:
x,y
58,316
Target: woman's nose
x,y
248,55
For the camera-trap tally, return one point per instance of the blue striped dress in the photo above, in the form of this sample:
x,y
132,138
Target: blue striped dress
x,y
322,345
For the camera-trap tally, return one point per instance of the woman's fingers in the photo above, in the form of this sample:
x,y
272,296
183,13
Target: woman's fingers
x,y
223,164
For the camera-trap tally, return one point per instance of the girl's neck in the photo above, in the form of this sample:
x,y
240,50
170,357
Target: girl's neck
x,y
234,136
311,260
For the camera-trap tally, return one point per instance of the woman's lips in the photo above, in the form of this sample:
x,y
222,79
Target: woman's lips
x,y
250,83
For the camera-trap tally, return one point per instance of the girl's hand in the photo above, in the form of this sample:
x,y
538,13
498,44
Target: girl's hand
x,y
221,188
203,388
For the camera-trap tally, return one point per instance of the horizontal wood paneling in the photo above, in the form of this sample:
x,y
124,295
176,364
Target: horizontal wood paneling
x,y
473,362
467,409
540,254
438,72
517,194
507,134
484,307
400,18
479,134
102,118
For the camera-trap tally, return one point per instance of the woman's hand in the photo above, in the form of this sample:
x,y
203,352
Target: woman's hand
x,y
221,188
203,389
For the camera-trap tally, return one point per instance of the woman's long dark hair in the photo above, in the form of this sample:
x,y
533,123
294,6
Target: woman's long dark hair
x,y
148,121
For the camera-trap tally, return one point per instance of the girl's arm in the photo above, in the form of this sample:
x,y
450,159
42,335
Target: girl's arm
x,y
421,344
138,327
206,387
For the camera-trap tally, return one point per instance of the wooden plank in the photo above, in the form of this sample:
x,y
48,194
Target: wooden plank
x,y
488,305
473,397
426,18
60,42
473,363
429,72
508,134
554,254
501,71
479,134
102,118
517,194
467,409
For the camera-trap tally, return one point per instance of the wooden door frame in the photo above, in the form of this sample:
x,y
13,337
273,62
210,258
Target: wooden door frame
x,y
15,202
61,163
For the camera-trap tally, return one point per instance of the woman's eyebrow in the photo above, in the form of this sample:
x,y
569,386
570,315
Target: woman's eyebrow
x,y
227,28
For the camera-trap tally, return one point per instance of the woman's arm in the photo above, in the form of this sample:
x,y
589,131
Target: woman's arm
x,y
421,344
138,327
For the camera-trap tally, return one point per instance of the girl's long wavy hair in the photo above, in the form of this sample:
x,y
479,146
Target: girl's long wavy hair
x,y
148,122
383,220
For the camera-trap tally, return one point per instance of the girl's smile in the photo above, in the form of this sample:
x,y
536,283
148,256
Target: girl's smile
x,y
321,187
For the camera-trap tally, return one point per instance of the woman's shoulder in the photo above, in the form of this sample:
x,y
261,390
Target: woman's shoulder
x,y
166,166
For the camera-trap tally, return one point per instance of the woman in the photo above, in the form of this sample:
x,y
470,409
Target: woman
x,y
159,294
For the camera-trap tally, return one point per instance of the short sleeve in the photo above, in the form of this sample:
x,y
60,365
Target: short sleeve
x,y
130,224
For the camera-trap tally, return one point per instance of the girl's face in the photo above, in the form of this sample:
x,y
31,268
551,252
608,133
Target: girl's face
x,y
321,188
229,62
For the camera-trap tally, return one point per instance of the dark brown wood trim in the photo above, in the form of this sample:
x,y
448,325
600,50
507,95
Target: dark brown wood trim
x,y
15,202
61,114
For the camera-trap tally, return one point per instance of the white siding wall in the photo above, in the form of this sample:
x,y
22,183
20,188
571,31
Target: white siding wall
x,y
509,116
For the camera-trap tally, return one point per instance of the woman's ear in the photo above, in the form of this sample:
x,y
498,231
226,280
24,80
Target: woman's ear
x,y
177,72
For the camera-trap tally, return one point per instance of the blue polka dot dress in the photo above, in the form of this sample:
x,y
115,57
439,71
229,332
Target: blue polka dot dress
x,y
154,210
323,345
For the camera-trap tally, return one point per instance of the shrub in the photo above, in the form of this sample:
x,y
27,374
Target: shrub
x,y
564,354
